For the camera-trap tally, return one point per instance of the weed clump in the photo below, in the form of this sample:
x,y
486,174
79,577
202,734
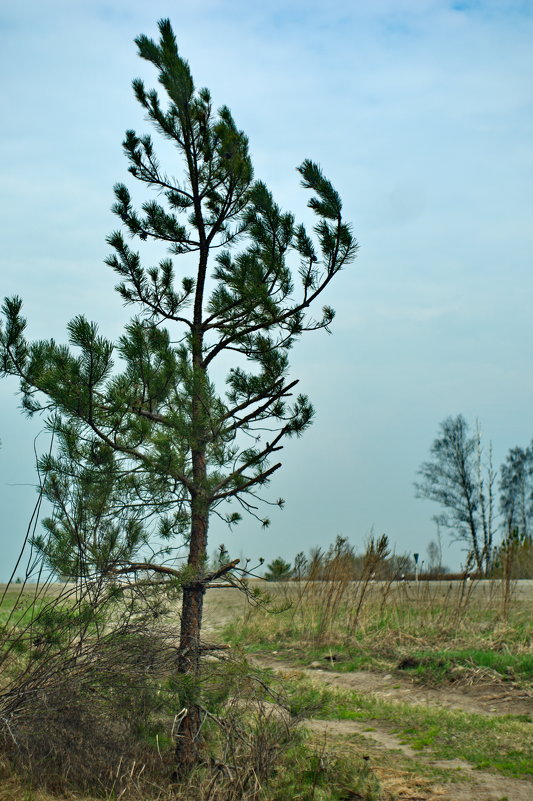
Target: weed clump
x,y
101,716
80,720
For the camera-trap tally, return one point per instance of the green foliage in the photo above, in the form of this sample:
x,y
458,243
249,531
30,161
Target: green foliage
x,y
147,447
313,774
98,521
143,432
220,558
279,570
54,625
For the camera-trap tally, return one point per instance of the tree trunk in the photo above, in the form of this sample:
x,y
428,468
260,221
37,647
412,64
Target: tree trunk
x,y
188,742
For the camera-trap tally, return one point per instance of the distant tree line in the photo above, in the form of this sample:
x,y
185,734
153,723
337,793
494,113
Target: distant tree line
x,y
490,511
341,561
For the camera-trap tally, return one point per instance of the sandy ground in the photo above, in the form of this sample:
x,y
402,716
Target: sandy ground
x,y
472,784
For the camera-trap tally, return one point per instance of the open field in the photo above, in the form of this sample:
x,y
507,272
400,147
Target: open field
x,y
433,630
435,687
430,692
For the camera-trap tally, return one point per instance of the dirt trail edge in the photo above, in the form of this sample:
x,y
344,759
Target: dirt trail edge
x,y
483,699
471,784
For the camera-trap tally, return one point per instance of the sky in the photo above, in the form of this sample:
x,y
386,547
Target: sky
x,y
420,113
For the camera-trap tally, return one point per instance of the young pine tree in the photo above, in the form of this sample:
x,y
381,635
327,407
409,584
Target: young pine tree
x,y
150,396
99,518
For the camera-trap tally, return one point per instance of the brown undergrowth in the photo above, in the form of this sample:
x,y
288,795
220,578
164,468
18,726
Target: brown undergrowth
x,y
437,630
91,702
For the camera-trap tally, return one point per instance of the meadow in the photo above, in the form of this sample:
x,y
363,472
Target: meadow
x,y
439,671
331,690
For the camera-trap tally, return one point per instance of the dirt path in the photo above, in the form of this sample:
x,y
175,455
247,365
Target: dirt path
x,y
471,784
405,774
485,699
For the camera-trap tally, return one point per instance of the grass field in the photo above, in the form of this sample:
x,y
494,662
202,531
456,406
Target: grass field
x,y
456,642
433,632
405,692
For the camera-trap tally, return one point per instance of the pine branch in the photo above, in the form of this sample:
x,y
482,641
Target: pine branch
x,y
259,479
272,398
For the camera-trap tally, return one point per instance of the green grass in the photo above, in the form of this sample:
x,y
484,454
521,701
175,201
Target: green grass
x,y
315,774
441,644
502,744
437,666
17,609
427,665
421,638
38,622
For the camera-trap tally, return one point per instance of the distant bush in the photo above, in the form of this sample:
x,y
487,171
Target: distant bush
x,y
514,557
279,570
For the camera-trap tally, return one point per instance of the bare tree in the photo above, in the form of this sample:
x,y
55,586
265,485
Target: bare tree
x,y
516,491
459,480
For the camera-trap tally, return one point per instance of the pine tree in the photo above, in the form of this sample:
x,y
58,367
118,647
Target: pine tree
x,y
150,397
99,519
279,570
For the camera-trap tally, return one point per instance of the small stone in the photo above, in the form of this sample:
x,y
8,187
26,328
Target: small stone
x,y
316,666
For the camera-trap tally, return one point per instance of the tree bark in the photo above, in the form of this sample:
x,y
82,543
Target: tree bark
x,y
188,739
188,736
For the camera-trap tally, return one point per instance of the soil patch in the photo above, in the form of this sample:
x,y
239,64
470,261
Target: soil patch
x,y
471,784
486,699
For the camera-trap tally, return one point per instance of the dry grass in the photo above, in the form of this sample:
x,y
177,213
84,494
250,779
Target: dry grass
x,y
451,628
89,709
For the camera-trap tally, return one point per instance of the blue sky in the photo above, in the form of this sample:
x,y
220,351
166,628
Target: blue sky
x,y
419,111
